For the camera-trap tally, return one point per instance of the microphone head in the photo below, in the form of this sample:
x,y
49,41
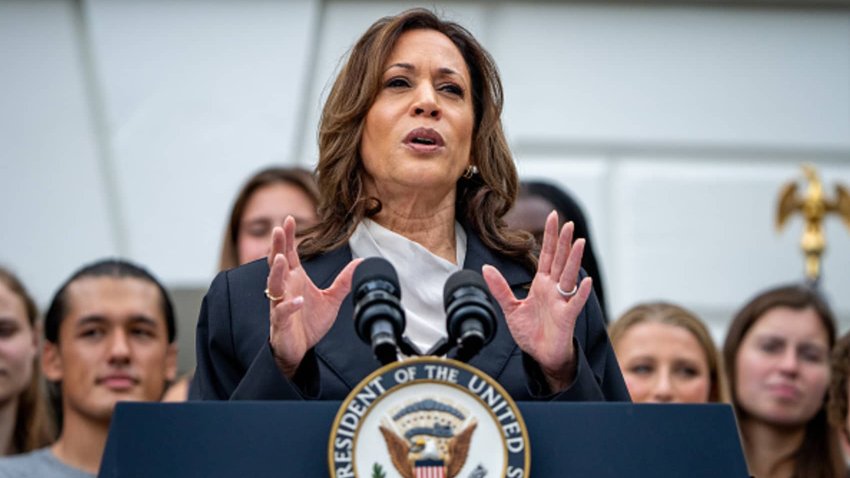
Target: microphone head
x,y
378,316
375,268
462,278
470,312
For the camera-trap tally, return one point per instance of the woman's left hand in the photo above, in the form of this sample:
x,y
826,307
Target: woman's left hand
x,y
543,323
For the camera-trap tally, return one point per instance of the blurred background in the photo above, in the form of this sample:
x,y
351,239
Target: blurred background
x,y
127,127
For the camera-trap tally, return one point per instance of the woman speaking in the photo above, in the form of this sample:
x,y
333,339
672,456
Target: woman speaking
x,y
413,167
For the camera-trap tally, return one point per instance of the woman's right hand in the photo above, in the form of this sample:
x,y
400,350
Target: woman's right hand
x,y
302,313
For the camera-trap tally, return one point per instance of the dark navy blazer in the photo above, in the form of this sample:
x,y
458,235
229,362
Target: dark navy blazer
x,y
235,359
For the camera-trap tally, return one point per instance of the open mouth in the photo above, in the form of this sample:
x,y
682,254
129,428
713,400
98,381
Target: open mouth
x,y
418,140
425,139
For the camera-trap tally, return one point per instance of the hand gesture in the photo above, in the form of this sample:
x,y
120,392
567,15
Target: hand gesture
x,y
300,313
543,323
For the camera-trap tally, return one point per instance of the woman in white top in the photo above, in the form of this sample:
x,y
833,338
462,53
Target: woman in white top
x,y
414,167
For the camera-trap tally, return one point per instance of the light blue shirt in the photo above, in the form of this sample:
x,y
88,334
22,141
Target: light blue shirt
x,y
41,463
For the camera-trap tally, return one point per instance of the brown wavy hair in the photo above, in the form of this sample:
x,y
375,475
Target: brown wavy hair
x,y
819,454
482,200
33,428
671,314
840,370
300,178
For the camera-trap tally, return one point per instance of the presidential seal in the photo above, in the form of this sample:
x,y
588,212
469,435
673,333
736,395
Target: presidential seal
x,y
428,417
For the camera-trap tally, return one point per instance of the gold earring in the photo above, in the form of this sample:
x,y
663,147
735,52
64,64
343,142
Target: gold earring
x,y
471,170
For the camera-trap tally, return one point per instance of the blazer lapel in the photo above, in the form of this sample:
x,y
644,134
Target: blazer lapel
x,y
341,350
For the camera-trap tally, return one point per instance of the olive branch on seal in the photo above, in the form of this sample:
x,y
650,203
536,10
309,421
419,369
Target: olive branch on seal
x,y
378,471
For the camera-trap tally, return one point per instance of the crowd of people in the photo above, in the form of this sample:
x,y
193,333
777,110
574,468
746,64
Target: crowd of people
x,y
414,167
109,332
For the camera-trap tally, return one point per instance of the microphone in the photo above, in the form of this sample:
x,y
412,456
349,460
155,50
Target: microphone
x,y
470,314
378,315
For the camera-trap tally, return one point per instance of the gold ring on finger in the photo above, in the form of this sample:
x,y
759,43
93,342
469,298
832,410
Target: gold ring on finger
x,y
273,298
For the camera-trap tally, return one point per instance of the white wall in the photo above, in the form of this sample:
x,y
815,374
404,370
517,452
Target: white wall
x,y
127,127
197,95
56,211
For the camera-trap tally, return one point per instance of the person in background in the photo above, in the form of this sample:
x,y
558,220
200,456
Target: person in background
x,y
109,333
24,425
839,389
667,355
413,167
263,203
535,201
776,356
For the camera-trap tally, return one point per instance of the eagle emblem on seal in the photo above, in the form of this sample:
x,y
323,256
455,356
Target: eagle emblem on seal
x,y
428,438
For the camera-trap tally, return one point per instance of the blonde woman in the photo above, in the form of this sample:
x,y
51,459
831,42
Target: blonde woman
x,y
667,355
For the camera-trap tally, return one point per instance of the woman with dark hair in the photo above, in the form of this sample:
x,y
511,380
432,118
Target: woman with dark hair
x,y
777,360
839,387
535,201
263,203
413,167
24,425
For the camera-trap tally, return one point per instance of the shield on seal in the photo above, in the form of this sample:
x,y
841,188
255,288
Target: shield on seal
x,y
429,469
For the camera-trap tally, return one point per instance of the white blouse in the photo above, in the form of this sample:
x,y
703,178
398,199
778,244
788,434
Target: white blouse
x,y
421,276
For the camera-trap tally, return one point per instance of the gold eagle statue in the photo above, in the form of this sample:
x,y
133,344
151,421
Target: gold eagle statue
x,y
404,454
814,206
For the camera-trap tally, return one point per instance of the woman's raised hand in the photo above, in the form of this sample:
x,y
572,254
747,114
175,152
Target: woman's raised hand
x,y
300,313
543,323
